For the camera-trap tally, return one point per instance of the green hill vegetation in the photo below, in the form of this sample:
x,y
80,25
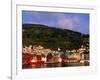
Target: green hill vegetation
x,y
52,38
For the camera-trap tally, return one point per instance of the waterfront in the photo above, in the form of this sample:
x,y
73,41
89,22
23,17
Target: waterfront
x,y
54,65
39,57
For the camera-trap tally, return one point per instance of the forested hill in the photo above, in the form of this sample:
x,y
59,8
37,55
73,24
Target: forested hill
x,y
50,37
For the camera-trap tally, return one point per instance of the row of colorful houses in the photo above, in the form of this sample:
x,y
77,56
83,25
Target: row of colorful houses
x,y
39,53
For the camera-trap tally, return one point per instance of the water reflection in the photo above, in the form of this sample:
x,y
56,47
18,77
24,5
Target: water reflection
x,y
53,65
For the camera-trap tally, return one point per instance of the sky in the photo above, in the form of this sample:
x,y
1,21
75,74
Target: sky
x,y
73,21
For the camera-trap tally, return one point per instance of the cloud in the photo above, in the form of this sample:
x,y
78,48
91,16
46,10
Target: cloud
x,y
65,24
68,22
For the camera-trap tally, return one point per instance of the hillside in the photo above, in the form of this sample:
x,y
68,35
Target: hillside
x,y
49,37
